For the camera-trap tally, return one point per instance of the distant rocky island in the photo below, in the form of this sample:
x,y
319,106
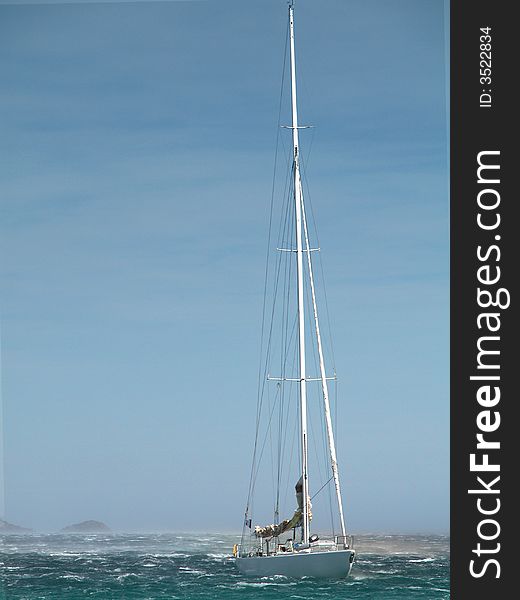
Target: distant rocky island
x,y
6,527
87,527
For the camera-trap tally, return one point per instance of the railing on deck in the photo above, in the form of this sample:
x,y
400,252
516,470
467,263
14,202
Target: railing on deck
x,y
344,541
339,541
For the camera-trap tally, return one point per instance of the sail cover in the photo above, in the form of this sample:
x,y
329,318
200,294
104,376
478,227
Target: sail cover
x,y
275,530
295,521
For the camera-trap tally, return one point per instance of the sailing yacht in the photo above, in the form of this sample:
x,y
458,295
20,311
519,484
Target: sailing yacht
x,y
289,547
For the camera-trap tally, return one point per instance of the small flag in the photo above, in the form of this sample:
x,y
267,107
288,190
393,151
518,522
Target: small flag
x,y
248,523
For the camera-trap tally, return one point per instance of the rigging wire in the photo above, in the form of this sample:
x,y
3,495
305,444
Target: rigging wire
x,y
260,393
287,224
286,341
321,488
284,238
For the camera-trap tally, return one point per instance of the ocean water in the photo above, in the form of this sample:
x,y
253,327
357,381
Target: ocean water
x,y
199,566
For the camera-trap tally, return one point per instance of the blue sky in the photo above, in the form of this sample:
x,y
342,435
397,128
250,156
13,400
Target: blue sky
x,y
137,154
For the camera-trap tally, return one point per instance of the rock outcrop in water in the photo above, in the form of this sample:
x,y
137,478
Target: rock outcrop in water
x,y
87,527
6,527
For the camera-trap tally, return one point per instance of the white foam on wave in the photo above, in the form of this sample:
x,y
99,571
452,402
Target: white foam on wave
x,y
255,584
170,555
190,570
386,571
422,560
123,576
280,581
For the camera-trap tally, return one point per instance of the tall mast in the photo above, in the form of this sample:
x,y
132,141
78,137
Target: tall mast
x,y
299,259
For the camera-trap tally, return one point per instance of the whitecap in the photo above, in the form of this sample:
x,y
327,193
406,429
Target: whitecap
x,y
421,560
189,570
260,584
123,576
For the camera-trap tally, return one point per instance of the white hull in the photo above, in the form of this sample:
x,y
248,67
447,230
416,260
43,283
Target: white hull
x,y
333,564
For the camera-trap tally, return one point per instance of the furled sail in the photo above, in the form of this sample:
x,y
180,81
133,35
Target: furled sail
x,y
275,530
295,521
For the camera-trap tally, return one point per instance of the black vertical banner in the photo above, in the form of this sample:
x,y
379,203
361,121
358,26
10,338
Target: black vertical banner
x,y
484,269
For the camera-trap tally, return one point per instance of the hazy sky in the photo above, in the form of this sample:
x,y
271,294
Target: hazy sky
x,y
137,152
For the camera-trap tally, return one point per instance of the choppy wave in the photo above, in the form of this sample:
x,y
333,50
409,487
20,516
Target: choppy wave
x,y
196,567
